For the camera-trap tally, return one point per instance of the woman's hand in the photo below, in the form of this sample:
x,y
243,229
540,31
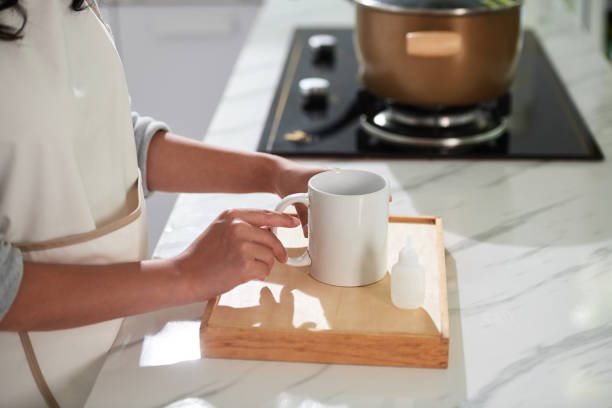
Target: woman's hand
x,y
292,178
234,249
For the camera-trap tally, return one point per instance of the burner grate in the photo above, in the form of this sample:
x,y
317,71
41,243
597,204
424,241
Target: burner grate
x,y
444,128
383,127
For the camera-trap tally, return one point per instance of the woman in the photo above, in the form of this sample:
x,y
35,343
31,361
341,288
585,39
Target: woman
x,y
73,231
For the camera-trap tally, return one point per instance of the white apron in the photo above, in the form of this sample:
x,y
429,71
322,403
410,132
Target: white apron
x,y
69,185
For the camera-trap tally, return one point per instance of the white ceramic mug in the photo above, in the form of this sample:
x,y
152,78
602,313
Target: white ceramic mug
x,y
348,213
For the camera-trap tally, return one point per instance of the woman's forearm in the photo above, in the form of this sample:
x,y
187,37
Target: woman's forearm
x,y
59,296
232,250
179,164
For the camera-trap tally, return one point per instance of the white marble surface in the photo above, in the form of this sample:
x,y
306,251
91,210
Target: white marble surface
x,y
529,263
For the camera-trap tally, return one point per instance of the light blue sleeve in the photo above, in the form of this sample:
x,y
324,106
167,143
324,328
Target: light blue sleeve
x,y
144,129
11,270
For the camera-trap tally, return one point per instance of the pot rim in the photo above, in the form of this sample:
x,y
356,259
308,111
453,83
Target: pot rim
x,y
379,5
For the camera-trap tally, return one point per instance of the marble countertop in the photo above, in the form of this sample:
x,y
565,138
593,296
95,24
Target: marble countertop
x,y
529,262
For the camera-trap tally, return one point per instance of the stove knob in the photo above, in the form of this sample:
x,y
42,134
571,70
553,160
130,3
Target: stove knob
x,y
314,92
323,48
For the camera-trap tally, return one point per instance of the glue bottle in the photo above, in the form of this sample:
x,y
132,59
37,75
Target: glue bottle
x,y
408,279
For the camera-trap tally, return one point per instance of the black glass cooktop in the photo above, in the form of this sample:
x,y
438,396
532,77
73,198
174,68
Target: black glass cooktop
x,y
543,122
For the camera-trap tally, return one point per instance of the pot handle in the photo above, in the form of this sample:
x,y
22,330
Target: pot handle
x,y
433,44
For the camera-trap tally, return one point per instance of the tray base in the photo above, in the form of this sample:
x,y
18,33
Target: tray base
x,y
293,317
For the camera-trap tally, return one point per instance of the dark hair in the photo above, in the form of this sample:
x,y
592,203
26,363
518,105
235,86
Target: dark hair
x,y
9,33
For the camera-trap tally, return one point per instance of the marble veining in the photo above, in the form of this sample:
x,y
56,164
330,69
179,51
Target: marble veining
x,y
588,345
507,225
528,258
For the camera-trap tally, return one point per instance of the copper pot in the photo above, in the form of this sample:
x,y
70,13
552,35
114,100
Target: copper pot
x,y
438,52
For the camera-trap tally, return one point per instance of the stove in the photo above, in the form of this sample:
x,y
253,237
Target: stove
x,y
321,109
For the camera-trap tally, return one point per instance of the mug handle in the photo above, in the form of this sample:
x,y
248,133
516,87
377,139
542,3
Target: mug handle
x,y
299,198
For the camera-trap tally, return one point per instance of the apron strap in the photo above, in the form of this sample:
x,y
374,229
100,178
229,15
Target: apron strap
x,y
105,229
42,385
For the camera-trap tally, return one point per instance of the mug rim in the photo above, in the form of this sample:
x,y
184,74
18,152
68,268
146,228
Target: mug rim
x,y
322,174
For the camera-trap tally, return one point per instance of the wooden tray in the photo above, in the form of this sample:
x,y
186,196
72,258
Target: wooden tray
x,y
293,317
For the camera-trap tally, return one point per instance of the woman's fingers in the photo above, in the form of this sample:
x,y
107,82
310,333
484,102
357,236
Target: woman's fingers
x,y
247,226
259,253
268,239
258,270
263,218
